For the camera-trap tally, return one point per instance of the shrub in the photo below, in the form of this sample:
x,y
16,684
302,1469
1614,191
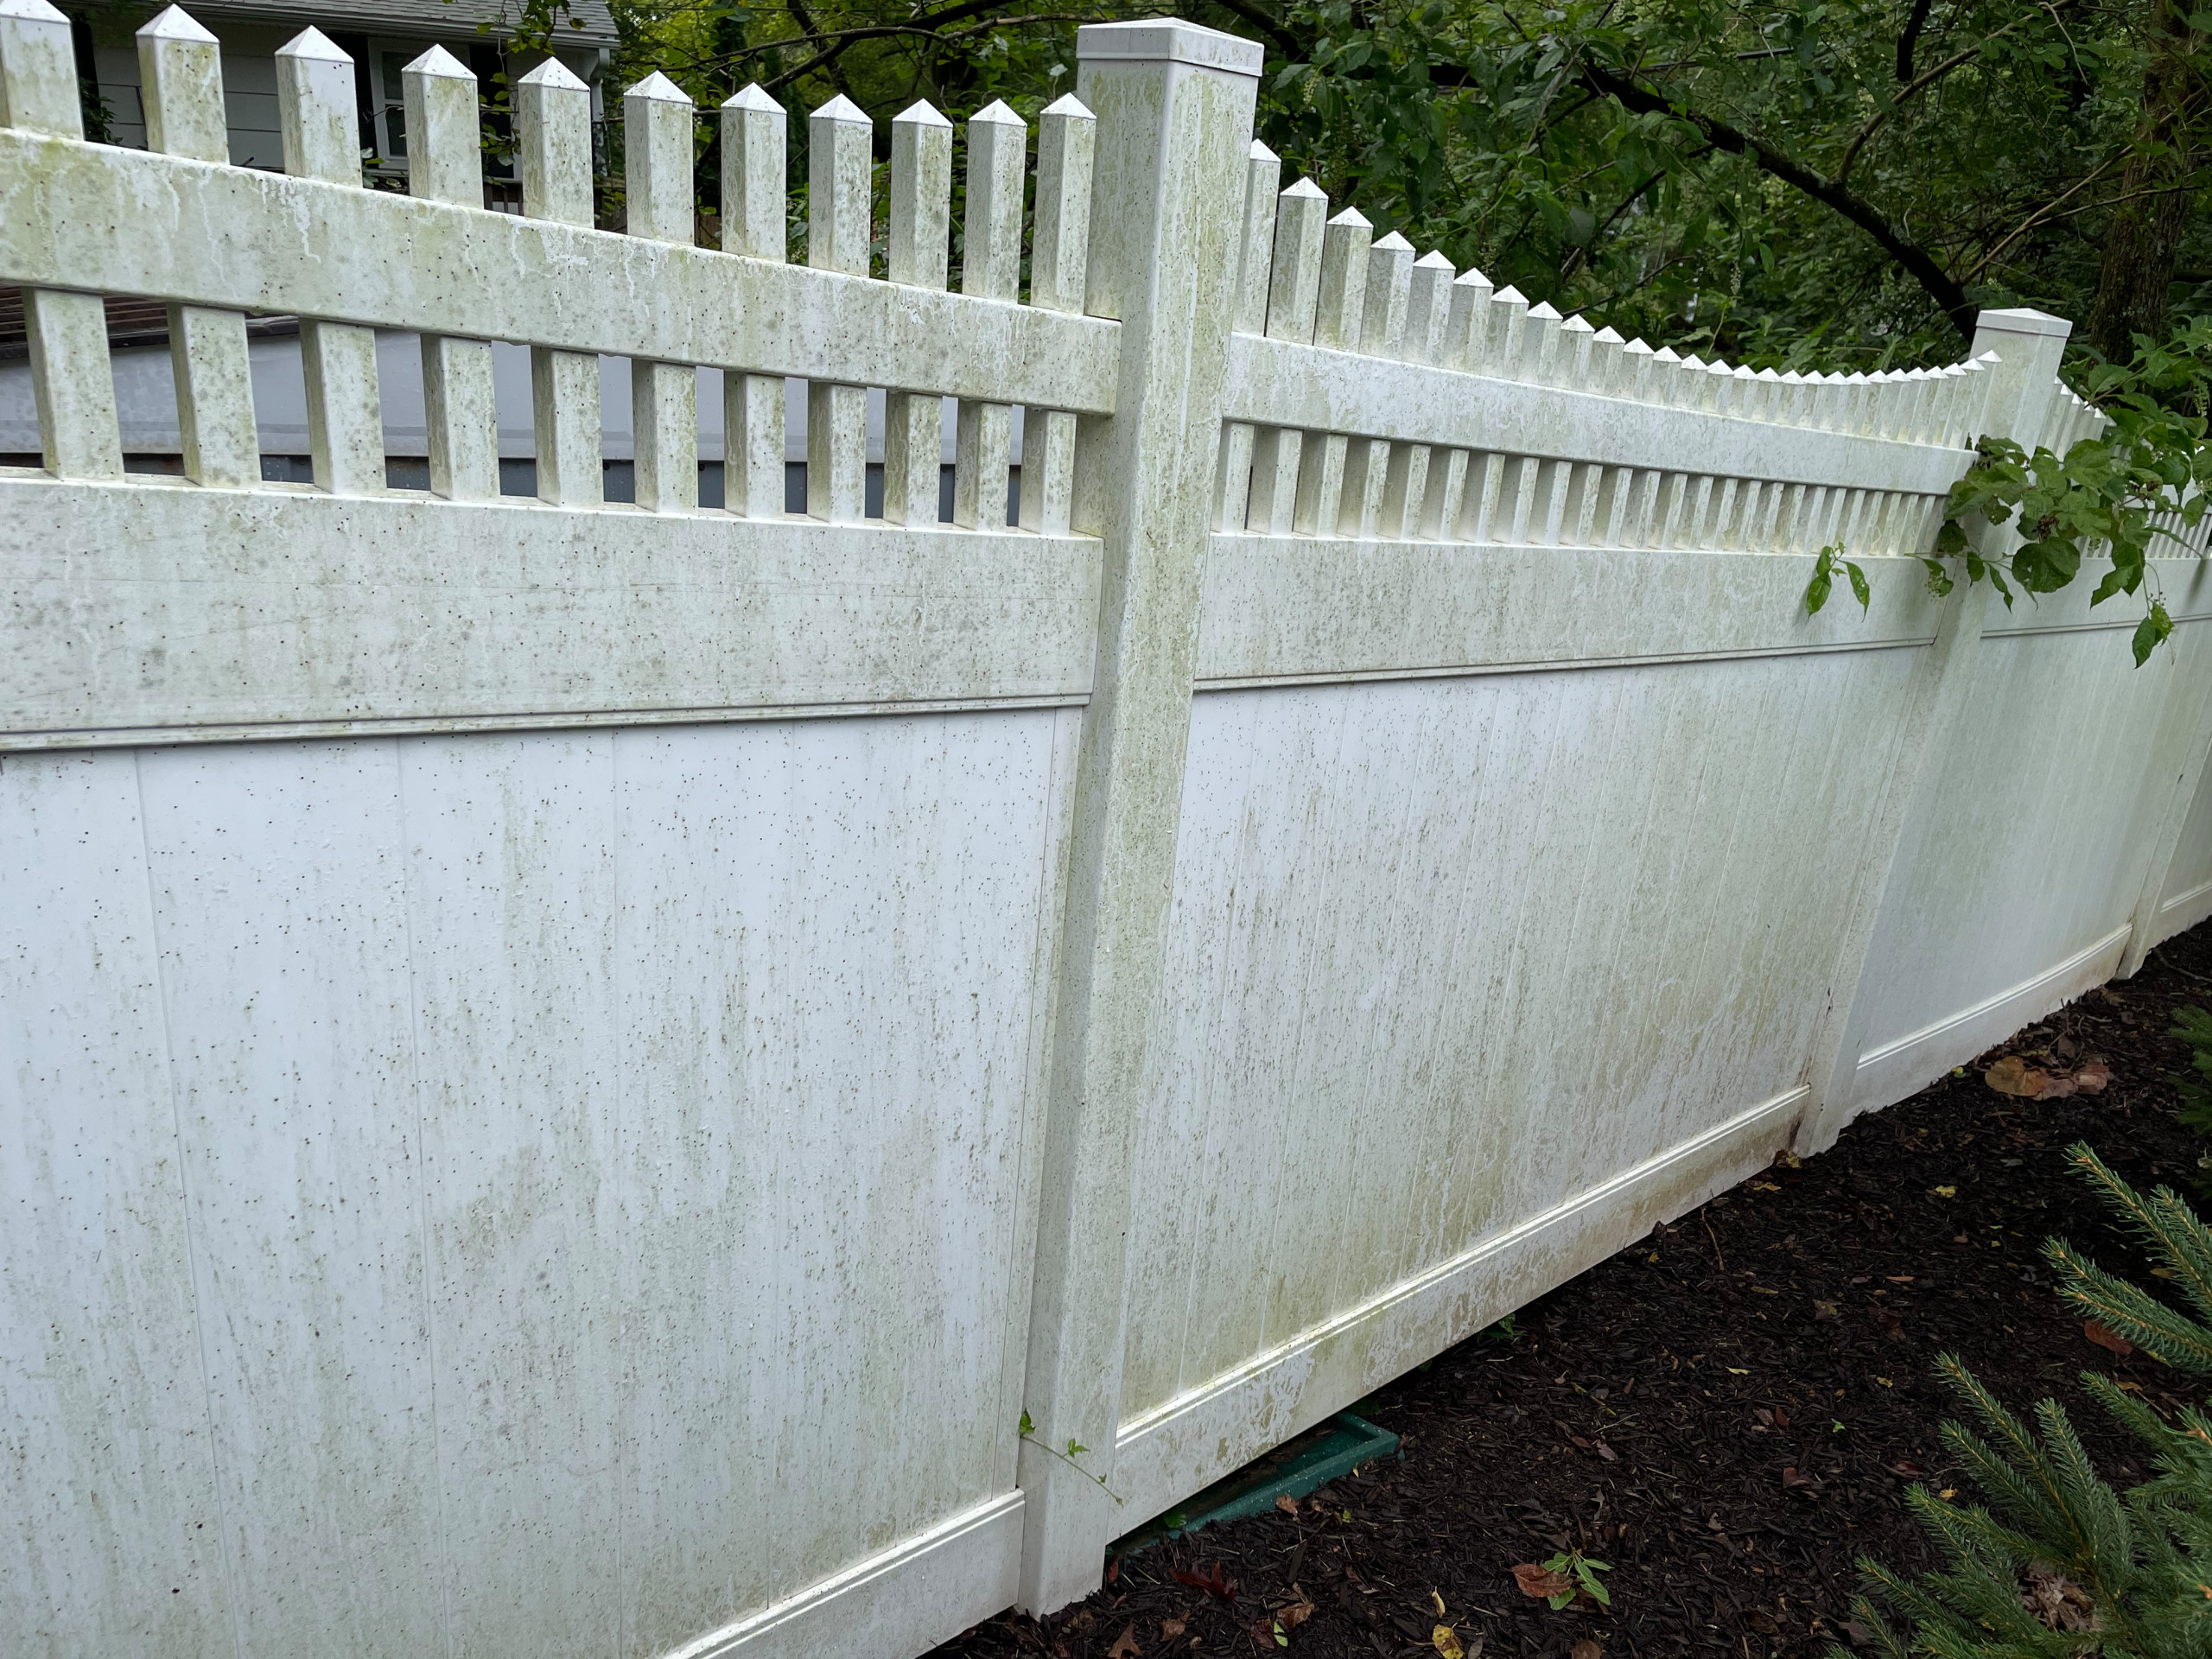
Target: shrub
x,y
2058,1561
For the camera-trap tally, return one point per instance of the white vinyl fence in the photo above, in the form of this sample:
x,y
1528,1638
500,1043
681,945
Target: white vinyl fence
x,y
570,1071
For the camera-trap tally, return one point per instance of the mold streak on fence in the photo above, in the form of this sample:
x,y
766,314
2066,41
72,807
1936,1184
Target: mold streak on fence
x,y
579,1055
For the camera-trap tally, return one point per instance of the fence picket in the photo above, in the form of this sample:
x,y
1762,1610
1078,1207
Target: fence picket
x,y
918,251
445,164
998,141
839,223
316,112
553,155
1067,141
180,90
657,120
72,383
754,135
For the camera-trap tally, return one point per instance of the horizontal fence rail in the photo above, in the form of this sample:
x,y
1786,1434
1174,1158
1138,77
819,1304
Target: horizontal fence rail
x,y
1219,803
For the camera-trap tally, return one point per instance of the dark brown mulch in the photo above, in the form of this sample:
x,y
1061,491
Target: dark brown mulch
x,y
1729,1412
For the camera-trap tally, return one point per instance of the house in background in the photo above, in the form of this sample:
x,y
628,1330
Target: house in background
x,y
380,38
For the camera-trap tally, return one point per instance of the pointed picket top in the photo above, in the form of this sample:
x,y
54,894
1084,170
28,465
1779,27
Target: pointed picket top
x,y
558,76
842,108
172,23
1541,311
1607,336
1578,324
441,63
1069,104
656,86
1352,219
1394,243
997,114
1304,189
1258,152
921,113
754,97
1639,347
34,11
1507,296
309,43
1436,262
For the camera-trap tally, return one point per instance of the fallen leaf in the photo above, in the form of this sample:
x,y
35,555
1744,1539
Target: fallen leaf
x,y
1911,1470
1541,1581
1113,1569
2108,1339
1861,1637
1825,1310
1445,1640
2092,1078
1287,1504
1607,1452
2056,1600
1586,1648
1170,1629
1211,1581
2058,1089
1738,1370
1780,1418
2014,1075
1296,1614
1125,1644
1762,1187
1437,1597
1947,1493
1791,1478
1944,1191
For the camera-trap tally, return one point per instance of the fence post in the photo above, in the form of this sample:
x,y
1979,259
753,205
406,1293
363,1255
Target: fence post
x,y
1173,103
2022,385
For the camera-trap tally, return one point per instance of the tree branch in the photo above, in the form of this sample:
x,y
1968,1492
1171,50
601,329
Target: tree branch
x,y
1920,83
1915,260
1287,43
1910,39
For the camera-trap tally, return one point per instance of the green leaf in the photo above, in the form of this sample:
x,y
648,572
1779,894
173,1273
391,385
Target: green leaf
x,y
1860,591
1027,1427
1817,592
2151,633
1950,541
1939,579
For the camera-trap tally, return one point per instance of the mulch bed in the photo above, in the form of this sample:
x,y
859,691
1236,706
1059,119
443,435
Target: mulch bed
x,y
1728,1413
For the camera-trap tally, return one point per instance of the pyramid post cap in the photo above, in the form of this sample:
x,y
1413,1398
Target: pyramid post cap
x,y
921,113
1069,105
1541,311
1472,278
1393,243
842,109
659,89
34,11
174,23
1431,261
996,114
441,63
1352,219
1304,189
1578,324
754,97
555,74
1260,152
1607,336
312,44
1638,346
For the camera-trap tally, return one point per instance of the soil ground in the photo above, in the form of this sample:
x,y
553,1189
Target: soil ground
x,y
1728,1413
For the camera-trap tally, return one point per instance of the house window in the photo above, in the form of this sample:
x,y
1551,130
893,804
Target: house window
x,y
387,103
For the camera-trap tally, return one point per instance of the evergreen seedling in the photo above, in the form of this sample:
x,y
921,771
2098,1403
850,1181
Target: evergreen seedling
x,y
2059,1562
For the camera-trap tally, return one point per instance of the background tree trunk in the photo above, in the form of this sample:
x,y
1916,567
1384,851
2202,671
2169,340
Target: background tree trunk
x,y
2144,235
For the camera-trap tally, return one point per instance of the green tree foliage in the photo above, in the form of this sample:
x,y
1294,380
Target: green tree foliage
x,y
2058,1561
1796,184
